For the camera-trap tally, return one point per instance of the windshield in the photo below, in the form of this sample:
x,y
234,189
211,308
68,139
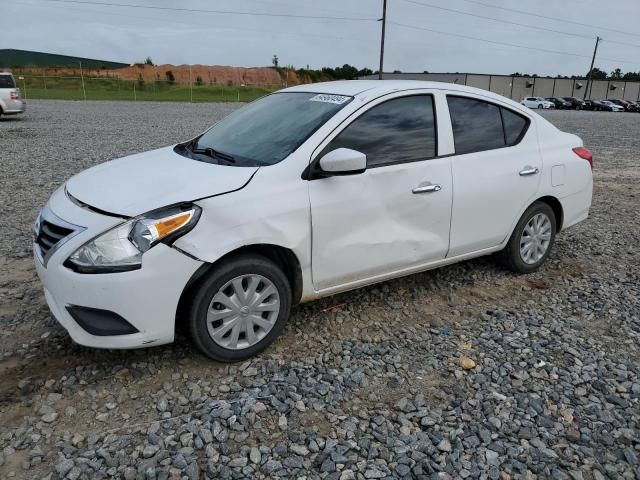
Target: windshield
x,y
266,131
6,81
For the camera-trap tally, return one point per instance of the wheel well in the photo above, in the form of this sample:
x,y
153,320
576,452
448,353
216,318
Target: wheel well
x,y
283,257
556,206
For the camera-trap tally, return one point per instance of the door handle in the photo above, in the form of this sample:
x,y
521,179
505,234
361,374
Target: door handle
x,y
528,170
427,188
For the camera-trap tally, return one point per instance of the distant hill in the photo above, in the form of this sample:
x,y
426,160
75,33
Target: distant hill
x,y
25,58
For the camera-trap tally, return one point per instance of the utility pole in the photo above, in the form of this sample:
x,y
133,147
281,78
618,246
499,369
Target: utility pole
x,y
593,59
384,24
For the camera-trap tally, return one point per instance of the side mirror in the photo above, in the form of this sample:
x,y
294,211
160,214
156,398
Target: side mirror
x,y
342,161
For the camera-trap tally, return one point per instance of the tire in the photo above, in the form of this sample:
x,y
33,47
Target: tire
x,y
540,106
511,256
244,269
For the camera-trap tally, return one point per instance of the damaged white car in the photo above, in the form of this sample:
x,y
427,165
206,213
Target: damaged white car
x,y
304,193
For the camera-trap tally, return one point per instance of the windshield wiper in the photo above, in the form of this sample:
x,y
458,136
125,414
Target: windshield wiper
x,y
212,153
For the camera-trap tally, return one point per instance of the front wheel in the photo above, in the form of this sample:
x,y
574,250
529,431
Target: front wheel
x,y
540,106
531,241
240,308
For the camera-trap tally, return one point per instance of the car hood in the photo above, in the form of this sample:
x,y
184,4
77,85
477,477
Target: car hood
x,y
139,183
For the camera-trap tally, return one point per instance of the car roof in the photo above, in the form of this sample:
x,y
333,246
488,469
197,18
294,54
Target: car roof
x,y
381,87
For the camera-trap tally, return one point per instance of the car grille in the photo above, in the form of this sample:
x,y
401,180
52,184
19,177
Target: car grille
x,y
49,235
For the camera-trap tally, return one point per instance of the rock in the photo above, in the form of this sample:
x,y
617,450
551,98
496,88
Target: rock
x,y
299,450
64,467
270,466
150,450
50,417
282,422
255,456
374,473
444,445
467,363
26,385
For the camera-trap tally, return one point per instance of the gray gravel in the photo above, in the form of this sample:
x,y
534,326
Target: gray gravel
x,y
464,372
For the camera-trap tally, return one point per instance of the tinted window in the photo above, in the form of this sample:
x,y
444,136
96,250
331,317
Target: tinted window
x,y
6,81
399,130
514,126
476,125
264,132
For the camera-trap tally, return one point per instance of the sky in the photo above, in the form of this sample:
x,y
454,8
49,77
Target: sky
x,y
419,36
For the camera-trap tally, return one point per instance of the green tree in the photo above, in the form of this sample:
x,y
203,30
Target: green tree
x,y
274,61
616,74
148,61
597,74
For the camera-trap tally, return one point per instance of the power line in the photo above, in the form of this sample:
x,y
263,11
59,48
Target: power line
x,y
621,43
221,12
563,20
429,5
244,28
496,42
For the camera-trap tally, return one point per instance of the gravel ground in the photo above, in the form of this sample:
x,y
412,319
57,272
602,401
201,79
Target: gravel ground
x,y
463,372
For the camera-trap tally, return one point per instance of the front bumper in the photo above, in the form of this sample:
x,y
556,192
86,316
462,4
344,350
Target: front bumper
x,y
147,298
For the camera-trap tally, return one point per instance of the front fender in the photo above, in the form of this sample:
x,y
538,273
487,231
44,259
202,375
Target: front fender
x,y
268,211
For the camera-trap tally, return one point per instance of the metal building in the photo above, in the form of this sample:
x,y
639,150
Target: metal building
x,y
517,88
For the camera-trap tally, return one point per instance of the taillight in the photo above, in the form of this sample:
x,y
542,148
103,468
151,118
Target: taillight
x,y
585,154
14,95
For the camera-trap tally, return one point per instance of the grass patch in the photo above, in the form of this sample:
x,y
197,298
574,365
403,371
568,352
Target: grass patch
x,y
114,89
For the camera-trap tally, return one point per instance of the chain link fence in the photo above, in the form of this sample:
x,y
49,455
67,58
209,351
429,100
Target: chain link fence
x,y
115,88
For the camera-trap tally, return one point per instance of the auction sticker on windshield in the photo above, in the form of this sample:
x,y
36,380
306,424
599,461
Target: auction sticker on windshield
x,y
326,98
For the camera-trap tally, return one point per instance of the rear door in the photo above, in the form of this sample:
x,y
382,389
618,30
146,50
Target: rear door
x,y
396,214
496,171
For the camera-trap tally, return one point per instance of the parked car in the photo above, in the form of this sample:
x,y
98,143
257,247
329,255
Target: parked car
x,y
304,193
614,106
596,106
576,103
628,106
11,102
537,102
559,103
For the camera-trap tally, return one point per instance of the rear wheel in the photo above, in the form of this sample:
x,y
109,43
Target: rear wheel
x,y
240,308
532,240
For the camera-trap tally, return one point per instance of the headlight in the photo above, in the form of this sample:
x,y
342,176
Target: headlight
x,y
121,248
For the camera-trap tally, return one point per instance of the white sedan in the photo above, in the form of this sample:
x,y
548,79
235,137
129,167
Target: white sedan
x,y
313,190
537,102
614,106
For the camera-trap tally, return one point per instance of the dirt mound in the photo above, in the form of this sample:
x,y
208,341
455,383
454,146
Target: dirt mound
x,y
210,74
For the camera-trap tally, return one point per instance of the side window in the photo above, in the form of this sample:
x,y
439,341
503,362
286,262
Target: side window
x,y
477,125
514,126
399,130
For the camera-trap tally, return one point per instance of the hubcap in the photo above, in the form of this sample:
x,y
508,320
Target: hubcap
x,y
243,311
535,239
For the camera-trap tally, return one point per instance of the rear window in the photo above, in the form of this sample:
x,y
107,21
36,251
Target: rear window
x,y
6,81
479,125
514,126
